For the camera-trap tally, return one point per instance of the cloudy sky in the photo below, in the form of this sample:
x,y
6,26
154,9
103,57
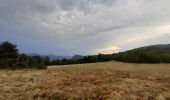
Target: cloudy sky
x,y
67,27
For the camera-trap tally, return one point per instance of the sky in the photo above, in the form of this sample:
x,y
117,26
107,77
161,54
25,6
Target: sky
x,y
68,27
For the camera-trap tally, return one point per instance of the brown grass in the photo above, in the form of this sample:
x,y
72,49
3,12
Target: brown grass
x,y
99,81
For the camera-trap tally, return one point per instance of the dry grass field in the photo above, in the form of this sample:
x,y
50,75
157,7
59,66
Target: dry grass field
x,y
98,81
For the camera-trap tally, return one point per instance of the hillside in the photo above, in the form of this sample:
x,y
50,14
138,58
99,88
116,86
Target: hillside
x,y
148,54
96,81
158,47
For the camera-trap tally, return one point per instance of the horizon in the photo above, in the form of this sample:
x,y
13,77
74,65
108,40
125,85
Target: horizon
x,y
86,27
86,54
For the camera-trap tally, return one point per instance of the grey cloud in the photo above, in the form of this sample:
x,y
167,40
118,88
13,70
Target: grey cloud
x,y
82,4
86,24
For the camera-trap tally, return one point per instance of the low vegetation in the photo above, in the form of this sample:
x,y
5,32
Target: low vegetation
x,y
96,81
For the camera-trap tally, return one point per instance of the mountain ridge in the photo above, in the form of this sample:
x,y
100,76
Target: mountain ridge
x,y
157,46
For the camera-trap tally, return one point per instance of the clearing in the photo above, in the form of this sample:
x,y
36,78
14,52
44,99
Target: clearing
x,y
96,81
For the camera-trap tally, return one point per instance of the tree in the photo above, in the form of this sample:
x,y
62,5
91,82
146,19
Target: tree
x,y
8,50
47,60
99,57
10,58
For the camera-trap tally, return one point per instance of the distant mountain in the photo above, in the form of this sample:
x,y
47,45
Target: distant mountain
x,y
53,57
76,57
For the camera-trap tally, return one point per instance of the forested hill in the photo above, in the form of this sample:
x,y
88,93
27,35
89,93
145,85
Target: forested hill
x,y
148,54
157,47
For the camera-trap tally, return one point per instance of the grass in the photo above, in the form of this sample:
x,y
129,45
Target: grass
x,y
97,81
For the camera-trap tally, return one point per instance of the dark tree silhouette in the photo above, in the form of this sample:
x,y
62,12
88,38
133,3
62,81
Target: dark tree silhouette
x,y
11,59
8,50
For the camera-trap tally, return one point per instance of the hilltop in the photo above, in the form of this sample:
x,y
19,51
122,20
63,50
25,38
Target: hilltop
x,y
157,47
147,54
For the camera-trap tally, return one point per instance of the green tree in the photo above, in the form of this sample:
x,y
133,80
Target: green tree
x,y
8,50
47,60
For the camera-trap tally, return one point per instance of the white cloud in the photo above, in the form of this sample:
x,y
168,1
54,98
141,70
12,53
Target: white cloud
x,y
109,50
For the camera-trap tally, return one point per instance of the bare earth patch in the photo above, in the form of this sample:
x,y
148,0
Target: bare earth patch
x,y
98,81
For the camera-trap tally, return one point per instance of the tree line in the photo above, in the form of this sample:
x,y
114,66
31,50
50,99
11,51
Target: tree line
x,y
140,55
84,59
11,59
148,55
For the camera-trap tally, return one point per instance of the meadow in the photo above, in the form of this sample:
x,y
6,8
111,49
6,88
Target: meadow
x,y
96,81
